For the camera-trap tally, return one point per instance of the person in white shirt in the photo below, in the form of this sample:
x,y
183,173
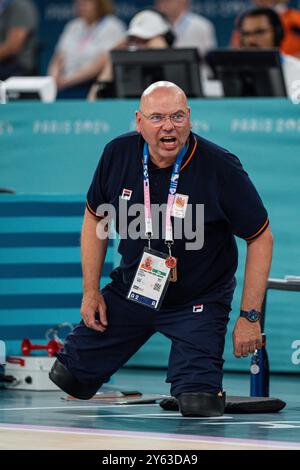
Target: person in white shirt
x,y
262,28
77,58
191,30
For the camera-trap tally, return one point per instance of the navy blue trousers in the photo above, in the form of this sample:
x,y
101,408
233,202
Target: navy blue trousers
x,y
195,361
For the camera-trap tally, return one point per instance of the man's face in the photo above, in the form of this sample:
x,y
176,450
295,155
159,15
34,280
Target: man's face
x,y
256,31
171,8
166,139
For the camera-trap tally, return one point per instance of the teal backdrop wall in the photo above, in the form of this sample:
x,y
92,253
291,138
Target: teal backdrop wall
x,y
48,154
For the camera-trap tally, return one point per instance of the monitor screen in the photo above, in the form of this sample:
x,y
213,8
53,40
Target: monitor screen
x,y
248,72
135,70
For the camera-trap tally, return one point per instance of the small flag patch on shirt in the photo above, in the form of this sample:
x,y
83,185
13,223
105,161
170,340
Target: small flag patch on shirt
x,y
126,194
198,308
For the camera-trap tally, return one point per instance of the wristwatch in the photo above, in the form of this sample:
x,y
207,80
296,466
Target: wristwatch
x,y
251,315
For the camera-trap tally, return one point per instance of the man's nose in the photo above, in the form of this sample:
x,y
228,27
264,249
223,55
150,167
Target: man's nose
x,y
168,124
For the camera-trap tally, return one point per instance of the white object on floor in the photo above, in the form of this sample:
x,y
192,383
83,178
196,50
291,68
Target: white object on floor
x,y
30,373
2,353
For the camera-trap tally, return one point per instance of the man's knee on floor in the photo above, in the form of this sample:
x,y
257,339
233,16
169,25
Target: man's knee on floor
x,y
61,376
201,404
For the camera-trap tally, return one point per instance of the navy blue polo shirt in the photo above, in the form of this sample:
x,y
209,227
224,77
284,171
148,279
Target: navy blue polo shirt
x,y
209,175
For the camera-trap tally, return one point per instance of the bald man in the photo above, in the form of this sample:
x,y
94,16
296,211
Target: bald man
x,y
168,280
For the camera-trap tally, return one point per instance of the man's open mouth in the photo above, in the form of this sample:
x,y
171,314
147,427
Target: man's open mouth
x,y
168,140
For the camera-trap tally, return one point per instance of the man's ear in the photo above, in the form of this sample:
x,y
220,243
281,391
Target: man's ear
x,y
189,114
138,121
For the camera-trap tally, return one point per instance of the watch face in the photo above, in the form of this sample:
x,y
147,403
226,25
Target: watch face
x,y
253,315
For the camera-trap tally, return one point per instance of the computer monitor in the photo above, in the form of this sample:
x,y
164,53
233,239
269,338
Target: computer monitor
x,y
135,70
248,72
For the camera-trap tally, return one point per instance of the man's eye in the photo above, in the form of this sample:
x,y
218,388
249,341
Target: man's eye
x,y
177,117
155,118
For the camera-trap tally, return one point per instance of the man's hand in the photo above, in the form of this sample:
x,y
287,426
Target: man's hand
x,y
246,337
93,302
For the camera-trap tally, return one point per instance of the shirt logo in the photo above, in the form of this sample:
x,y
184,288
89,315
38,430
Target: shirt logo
x,y
180,206
126,194
179,202
198,308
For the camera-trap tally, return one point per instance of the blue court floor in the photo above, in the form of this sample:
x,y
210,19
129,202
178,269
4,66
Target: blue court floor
x,y
48,411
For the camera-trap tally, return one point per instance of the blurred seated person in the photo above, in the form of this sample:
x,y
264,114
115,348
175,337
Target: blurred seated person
x,y
290,19
18,42
191,29
78,55
262,28
148,29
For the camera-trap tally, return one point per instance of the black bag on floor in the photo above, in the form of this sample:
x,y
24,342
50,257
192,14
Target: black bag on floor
x,y
235,404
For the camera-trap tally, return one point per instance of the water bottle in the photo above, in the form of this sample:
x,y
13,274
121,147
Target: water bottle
x,y
260,372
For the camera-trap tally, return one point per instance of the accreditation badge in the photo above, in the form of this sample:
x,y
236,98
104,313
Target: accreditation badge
x,y
151,279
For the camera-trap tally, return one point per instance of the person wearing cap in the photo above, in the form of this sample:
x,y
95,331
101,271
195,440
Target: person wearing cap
x,y
186,294
151,29
148,29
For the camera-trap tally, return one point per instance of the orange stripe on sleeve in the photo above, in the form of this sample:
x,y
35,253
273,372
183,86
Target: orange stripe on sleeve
x,y
262,229
91,210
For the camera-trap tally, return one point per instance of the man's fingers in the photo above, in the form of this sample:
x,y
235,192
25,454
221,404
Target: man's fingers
x,y
237,350
91,322
89,317
245,350
93,312
102,313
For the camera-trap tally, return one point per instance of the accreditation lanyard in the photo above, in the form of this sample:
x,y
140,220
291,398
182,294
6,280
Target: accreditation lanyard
x,y
171,196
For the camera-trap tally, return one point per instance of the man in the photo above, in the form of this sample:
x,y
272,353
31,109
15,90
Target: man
x,y
147,166
18,42
262,28
191,30
290,18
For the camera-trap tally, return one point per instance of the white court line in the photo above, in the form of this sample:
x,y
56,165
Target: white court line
x,y
266,421
72,407
156,415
